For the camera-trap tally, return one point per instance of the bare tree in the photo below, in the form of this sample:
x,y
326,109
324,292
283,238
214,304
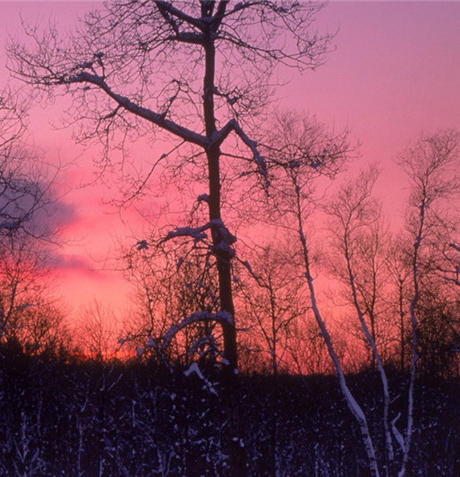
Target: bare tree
x,y
398,265
431,166
97,333
439,334
357,231
270,290
22,289
359,238
196,70
26,202
45,332
171,287
271,299
303,152
25,182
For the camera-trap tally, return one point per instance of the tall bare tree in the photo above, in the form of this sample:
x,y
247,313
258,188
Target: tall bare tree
x,y
303,151
431,166
199,71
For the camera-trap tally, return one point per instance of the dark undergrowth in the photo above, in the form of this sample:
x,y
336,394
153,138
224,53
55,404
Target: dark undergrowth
x,y
88,419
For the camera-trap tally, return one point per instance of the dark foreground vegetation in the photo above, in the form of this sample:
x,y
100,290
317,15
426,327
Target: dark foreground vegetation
x,y
89,418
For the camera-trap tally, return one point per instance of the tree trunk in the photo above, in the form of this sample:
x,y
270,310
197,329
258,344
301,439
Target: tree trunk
x,y
223,254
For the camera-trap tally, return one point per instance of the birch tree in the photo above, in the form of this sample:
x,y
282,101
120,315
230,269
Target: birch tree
x,y
303,152
356,217
431,166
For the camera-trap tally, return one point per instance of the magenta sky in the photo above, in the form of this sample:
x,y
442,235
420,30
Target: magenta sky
x,y
395,73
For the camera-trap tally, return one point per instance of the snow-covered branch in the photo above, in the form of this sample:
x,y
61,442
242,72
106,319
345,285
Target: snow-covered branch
x,y
233,126
221,317
197,233
223,238
140,111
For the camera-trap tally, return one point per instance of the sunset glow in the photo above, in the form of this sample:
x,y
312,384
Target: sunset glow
x,y
394,73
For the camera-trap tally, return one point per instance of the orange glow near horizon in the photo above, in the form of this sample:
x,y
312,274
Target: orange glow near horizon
x,y
395,73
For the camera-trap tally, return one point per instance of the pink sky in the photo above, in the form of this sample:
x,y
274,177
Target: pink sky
x,y
395,73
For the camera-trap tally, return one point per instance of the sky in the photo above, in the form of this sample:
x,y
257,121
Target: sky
x,y
394,74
